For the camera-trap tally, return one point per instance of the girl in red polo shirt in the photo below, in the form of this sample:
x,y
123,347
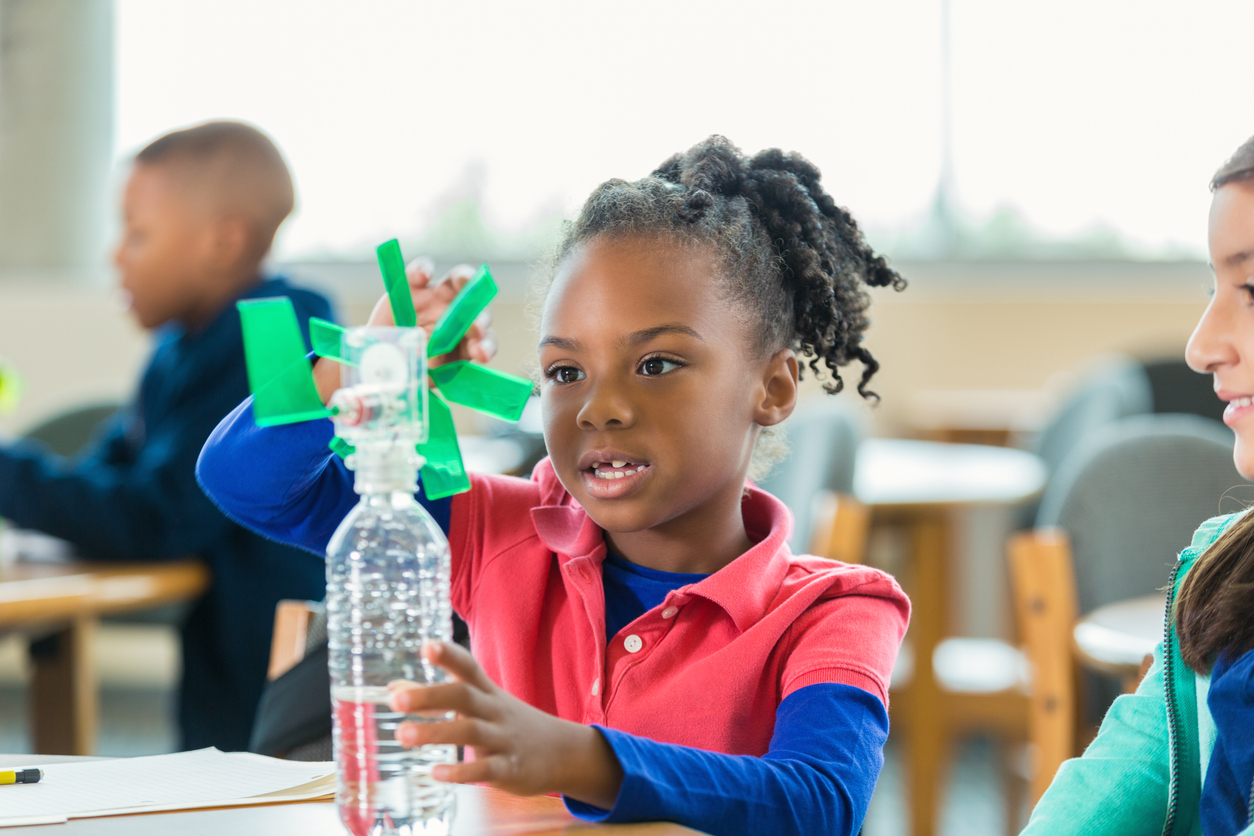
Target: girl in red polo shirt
x,y
645,643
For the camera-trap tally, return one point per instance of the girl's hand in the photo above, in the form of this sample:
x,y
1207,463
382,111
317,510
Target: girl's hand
x,y
517,748
430,302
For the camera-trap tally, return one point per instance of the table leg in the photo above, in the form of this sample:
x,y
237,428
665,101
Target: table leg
x,y
928,739
64,691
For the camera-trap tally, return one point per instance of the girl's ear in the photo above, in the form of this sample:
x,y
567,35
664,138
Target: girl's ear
x,y
779,389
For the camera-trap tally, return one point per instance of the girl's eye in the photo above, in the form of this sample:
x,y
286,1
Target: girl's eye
x,y
566,374
654,366
1248,287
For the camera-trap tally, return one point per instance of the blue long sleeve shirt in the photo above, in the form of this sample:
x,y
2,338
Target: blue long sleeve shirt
x,y
132,496
1227,804
827,749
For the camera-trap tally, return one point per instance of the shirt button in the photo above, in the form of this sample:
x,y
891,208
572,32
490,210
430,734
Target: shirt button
x,y
633,644
596,686
669,612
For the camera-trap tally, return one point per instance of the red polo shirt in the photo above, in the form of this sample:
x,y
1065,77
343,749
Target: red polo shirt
x,y
707,667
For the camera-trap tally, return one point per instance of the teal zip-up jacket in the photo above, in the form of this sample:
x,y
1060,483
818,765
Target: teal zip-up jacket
x,y
1142,775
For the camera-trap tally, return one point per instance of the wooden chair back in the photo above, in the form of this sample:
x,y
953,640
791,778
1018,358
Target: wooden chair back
x,y
1043,584
291,632
841,524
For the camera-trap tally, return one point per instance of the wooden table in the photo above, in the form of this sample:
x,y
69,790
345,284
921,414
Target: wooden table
x,y
65,600
919,486
1116,638
480,812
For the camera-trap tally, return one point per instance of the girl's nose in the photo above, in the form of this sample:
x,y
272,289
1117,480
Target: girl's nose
x,y
1213,343
605,408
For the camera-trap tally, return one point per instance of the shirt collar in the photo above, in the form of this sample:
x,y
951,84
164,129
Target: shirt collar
x,y
744,588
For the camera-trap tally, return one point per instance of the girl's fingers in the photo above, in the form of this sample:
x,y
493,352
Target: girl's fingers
x,y
461,732
419,272
457,278
483,350
457,660
410,698
481,770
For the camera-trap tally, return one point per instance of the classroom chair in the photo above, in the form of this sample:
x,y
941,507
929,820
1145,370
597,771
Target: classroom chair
x,y
822,437
1175,388
1121,508
840,527
294,715
68,432
1116,388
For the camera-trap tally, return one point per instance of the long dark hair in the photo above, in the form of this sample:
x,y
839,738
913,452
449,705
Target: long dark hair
x,y
1215,610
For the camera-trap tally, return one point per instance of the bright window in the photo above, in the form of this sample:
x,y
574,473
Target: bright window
x,y
1073,118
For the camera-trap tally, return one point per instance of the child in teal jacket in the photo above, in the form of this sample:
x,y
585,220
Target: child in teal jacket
x,y
1177,757
1143,773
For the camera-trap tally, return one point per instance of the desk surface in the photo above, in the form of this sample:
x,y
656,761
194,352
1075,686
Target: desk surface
x,y
48,592
480,812
905,473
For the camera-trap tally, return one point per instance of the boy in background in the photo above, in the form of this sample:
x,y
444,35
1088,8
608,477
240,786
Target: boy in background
x,y
201,208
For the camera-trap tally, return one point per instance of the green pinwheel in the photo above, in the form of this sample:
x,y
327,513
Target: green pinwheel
x,y
284,391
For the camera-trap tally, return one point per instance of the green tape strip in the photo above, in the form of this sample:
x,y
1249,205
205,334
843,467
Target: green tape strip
x,y
392,266
340,447
460,315
443,474
278,374
325,337
487,390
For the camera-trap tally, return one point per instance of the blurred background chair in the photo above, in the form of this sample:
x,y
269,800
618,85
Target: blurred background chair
x,y
68,432
294,716
1119,510
1116,388
840,528
1175,388
822,436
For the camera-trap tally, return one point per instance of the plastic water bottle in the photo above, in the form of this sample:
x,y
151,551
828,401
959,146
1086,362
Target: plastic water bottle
x,y
387,593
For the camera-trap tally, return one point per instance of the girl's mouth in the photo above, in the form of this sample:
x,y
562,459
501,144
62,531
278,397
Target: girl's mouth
x,y
1237,409
614,479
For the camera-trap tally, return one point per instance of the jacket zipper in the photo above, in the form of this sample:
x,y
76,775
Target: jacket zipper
x,y
1172,719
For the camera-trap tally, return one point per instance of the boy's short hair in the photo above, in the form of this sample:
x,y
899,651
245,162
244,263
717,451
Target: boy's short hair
x,y
235,167
1239,167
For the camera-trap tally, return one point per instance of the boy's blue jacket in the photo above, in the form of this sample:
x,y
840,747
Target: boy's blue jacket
x,y
133,497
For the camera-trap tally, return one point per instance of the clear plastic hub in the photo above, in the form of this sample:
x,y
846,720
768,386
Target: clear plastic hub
x,y
384,386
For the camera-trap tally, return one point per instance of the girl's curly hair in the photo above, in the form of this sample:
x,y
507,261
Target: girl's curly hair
x,y
795,259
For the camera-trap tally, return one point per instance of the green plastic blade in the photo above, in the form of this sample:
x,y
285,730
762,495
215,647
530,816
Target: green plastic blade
x,y
392,265
340,447
443,474
278,373
10,388
487,390
460,315
325,337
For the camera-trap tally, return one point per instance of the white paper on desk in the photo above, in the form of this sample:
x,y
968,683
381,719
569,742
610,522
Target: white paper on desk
x,y
183,781
33,547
